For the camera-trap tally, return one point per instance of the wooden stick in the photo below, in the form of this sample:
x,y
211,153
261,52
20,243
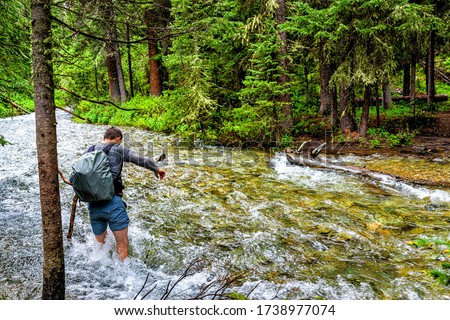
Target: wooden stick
x,y
74,207
72,217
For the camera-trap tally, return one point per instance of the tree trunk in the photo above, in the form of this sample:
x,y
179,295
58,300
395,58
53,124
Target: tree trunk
x,y
346,120
412,95
431,88
377,105
365,111
285,99
121,77
113,61
130,68
306,71
111,65
406,80
155,75
165,42
387,96
412,82
52,238
334,109
326,94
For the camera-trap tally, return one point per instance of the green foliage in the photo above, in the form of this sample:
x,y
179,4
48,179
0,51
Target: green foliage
x,y
221,62
3,141
15,61
245,123
236,296
309,125
378,136
442,247
442,276
286,141
21,99
260,96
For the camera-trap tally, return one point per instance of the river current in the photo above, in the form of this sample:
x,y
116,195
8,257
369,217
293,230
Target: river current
x,y
281,231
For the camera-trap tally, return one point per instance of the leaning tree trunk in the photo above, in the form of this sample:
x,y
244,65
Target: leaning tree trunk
x,y
285,99
53,271
155,68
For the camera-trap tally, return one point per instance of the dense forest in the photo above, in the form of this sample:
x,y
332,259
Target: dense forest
x,y
237,70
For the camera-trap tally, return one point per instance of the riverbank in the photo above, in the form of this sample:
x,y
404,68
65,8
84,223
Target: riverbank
x,y
431,142
432,145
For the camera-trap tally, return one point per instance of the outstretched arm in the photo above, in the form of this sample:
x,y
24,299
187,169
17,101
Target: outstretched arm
x,y
142,161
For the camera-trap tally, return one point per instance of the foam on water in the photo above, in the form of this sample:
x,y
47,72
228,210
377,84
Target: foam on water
x,y
326,180
303,174
436,196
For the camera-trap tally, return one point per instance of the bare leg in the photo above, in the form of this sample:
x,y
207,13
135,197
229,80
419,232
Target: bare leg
x,y
101,238
121,237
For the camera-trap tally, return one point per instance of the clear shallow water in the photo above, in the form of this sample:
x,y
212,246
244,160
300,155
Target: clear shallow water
x,y
294,232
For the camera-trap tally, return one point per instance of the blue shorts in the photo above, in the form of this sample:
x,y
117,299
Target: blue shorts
x,y
111,213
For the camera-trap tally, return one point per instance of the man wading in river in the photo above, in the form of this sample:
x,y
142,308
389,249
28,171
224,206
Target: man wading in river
x,y
113,213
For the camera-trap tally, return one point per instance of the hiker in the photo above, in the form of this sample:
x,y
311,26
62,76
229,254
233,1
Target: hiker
x,y
113,213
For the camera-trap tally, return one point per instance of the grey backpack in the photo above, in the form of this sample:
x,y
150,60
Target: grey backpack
x,y
91,176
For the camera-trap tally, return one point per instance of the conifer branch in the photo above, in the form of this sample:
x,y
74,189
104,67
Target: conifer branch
x,y
102,102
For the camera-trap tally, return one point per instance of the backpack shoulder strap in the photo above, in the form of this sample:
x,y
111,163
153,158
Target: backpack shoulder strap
x,y
108,147
105,149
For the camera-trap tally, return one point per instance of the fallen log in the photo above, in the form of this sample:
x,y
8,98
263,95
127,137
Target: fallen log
x,y
301,160
420,97
356,171
436,98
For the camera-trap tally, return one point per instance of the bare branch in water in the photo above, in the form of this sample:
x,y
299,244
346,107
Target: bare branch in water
x,y
143,286
254,288
215,289
191,269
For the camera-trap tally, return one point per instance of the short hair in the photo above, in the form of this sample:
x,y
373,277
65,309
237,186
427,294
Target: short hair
x,y
112,133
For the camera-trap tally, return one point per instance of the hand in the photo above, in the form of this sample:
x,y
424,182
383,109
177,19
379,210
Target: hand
x,y
160,173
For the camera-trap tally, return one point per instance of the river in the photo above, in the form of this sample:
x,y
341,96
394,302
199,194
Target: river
x,y
282,231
